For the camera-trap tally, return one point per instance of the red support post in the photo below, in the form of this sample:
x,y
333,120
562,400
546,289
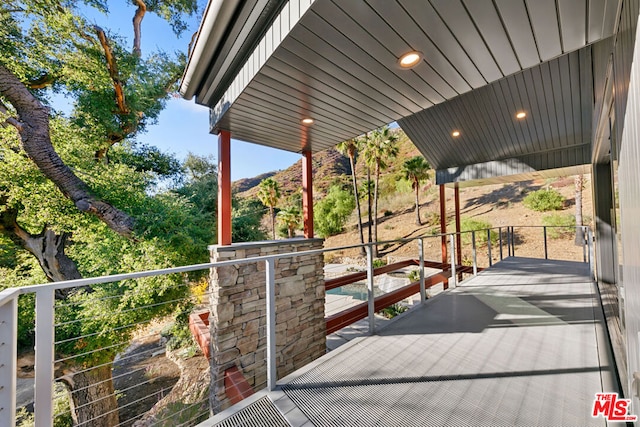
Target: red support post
x,y
443,228
458,236
224,188
307,194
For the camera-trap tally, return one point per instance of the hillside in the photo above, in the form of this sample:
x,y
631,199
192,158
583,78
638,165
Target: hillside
x,y
499,205
329,166
245,184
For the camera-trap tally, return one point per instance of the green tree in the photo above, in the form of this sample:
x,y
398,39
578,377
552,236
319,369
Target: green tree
x,y
75,192
350,148
416,170
330,214
380,148
269,194
291,217
246,218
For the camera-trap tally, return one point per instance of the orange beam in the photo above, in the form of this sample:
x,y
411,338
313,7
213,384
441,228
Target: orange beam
x,y
360,311
361,275
307,194
224,188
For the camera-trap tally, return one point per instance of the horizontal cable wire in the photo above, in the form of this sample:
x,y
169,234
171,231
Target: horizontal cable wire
x,y
120,359
106,316
132,293
120,344
113,329
124,406
160,421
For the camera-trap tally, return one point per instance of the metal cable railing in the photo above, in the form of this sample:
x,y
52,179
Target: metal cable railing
x,y
477,250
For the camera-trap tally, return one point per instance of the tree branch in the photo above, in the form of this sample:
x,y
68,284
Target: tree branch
x,y
10,120
137,30
41,82
36,142
113,71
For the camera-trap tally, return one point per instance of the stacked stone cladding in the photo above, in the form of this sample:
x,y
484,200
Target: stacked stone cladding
x,y
238,312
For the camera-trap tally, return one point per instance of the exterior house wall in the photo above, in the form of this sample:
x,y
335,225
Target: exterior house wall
x,y
617,96
629,184
238,312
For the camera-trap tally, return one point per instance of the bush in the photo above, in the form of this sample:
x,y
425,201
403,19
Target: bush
x,y
379,262
414,276
469,224
393,310
566,223
331,213
544,200
432,218
404,186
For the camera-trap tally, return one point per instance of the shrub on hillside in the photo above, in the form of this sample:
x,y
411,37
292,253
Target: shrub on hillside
x,y
560,225
331,213
544,200
480,227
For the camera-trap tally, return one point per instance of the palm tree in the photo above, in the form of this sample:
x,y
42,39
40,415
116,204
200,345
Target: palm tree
x,y
416,170
269,194
350,148
291,217
380,148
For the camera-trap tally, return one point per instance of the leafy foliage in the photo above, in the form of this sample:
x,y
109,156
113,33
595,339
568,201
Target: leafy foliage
x,y
559,225
291,218
544,200
246,218
393,310
480,226
331,213
47,49
269,195
415,170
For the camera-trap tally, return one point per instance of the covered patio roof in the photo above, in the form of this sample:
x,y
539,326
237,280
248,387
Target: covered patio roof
x,y
274,63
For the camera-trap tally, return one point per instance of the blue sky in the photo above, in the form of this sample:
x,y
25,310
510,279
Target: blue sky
x,y
183,126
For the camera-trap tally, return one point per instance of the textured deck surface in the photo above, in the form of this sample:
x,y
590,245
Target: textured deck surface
x,y
521,344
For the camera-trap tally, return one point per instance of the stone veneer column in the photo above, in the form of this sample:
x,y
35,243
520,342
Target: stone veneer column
x,y
238,312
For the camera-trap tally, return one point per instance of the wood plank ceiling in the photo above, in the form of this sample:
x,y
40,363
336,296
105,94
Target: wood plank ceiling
x,y
483,61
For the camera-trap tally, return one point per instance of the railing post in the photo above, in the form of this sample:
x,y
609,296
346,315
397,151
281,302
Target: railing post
x,y
591,254
544,232
423,291
500,237
513,242
473,249
44,358
510,238
489,247
584,231
8,357
452,244
271,323
370,296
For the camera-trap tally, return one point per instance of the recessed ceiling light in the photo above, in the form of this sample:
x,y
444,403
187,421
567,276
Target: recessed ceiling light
x,y
307,121
521,115
409,59
455,133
